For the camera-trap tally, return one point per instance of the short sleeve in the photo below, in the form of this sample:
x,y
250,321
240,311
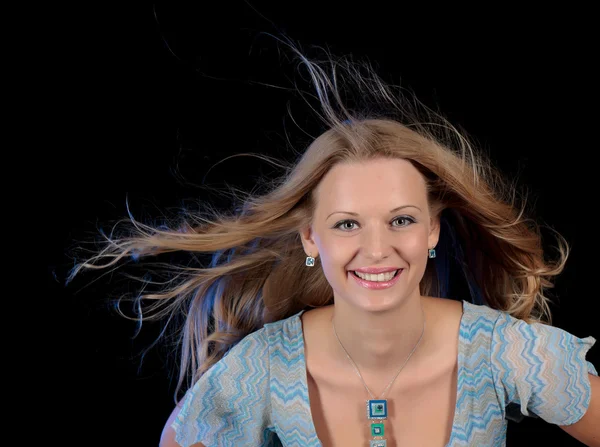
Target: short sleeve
x,y
230,404
543,369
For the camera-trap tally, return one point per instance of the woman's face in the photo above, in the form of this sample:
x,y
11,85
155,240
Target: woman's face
x,y
391,227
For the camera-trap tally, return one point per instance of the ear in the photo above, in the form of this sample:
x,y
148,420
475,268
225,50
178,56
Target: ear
x,y
434,231
307,238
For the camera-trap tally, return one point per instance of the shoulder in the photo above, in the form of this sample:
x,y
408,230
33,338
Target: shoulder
x,y
234,389
468,326
511,332
285,333
515,340
443,316
443,308
541,368
256,339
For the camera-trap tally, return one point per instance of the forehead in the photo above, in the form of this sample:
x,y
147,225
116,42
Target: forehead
x,y
383,181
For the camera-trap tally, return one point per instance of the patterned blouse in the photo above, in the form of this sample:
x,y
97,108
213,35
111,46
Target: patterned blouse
x,y
257,394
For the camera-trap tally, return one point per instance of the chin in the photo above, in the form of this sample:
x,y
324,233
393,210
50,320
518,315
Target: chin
x,y
378,303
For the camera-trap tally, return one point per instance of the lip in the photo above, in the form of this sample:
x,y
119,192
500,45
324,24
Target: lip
x,y
376,285
376,270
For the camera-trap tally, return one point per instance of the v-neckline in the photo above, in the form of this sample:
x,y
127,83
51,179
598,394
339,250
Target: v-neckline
x,y
459,374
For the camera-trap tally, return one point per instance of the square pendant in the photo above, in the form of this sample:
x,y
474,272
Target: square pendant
x,y
382,443
377,409
377,429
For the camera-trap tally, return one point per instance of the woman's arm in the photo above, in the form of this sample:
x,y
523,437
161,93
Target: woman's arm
x,y
587,429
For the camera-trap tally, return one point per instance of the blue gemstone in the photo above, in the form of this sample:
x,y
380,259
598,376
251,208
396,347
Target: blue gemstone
x,y
377,409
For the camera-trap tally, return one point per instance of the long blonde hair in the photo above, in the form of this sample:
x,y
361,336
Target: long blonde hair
x,y
257,273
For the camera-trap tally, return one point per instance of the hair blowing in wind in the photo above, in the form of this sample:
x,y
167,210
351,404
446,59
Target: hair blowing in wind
x,y
257,273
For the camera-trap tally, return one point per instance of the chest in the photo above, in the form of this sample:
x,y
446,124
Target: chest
x,y
421,407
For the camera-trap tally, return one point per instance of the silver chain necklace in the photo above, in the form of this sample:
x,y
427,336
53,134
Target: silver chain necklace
x,y
377,408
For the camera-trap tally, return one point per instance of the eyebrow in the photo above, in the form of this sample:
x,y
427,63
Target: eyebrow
x,y
391,211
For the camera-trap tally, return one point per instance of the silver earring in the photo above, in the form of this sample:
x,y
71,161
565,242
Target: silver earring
x,y
432,252
310,261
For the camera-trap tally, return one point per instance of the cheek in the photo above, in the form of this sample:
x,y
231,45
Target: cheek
x,y
336,254
414,245
333,263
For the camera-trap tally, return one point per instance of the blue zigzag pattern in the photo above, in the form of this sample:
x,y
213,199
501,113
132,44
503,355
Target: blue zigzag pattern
x,y
257,395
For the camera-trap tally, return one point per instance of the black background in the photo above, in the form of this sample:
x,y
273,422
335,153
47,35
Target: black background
x,y
134,98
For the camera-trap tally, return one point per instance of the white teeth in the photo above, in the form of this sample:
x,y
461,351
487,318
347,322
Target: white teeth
x,y
375,278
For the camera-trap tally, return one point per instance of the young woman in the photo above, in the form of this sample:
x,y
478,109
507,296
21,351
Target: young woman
x,y
326,316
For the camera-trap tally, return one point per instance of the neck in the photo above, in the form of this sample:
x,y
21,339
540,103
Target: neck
x,y
378,342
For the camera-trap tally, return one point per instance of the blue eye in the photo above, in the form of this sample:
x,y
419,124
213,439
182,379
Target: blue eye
x,y
407,221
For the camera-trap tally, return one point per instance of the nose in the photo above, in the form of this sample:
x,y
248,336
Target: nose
x,y
376,242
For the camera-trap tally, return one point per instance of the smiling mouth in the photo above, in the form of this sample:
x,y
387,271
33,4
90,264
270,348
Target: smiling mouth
x,y
364,279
